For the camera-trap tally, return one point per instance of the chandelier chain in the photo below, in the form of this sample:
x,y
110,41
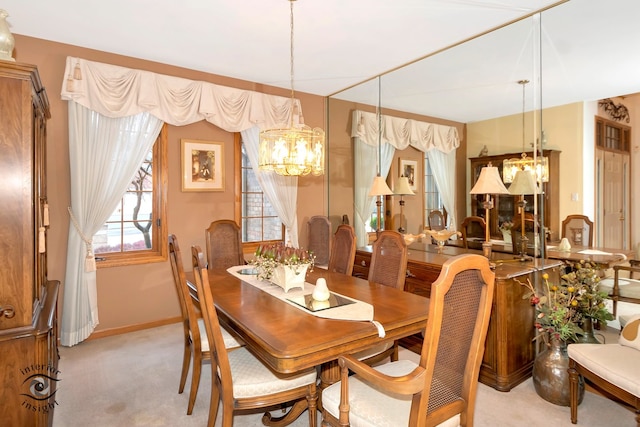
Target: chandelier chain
x,y
291,69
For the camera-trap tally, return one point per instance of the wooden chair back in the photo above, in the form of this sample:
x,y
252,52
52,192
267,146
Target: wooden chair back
x,y
436,220
578,229
389,260
343,250
224,244
459,311
472,226
247,369
319,228
195,344
444,383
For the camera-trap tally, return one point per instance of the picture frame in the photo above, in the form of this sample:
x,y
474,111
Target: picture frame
x,y
202,165
409,169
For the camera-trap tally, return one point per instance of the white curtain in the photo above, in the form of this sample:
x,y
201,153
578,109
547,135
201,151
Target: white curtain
x,y
398,133
98,94
281,191
443,166
104,155
364,157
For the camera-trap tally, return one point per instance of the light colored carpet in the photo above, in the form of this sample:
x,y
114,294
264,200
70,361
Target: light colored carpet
x,y
132,380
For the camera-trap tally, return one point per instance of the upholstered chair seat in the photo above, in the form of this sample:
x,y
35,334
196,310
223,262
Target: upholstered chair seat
x,y
380,408
251,379
612,368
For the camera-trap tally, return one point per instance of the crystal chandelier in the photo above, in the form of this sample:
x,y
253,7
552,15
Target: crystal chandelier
x,y
539,167
295,150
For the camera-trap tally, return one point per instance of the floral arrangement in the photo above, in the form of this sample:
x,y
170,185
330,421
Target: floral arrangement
x,y
269,256
562,307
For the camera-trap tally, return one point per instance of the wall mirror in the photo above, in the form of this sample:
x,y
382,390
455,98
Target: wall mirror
x,y
570,63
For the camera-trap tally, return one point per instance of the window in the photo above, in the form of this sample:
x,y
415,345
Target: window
x,y
612,136
432,199
257,218
136,231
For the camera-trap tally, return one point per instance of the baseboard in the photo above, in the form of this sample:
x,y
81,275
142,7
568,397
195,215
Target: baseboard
x,y
133,328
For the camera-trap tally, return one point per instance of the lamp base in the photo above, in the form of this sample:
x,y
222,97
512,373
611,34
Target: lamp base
x,y
486,249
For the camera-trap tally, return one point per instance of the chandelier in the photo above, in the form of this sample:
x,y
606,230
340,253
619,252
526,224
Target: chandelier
x,y
538,167
295,150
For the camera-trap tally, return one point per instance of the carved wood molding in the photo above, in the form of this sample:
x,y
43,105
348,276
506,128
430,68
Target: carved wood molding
x,y
616,112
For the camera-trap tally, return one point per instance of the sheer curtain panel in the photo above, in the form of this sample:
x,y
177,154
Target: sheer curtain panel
x,y
104,155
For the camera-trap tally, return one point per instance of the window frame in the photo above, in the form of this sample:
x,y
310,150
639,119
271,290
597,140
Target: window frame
x,y
248,247
158,252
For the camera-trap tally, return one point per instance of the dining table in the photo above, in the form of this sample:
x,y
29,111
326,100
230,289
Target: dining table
x,y
289,339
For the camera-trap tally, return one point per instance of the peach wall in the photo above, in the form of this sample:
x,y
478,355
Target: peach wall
x,y
141,294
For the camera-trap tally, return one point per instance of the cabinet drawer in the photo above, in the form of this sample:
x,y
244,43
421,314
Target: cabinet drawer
x,y
420,278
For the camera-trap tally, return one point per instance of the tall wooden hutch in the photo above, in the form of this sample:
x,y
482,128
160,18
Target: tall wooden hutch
x,y
506,206
28,332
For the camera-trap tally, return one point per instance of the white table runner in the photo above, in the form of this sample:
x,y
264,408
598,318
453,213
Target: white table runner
x,y
358,311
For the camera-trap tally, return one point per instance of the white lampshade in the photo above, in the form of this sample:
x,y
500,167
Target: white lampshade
x,y
523,183
402,187
489,182
379,187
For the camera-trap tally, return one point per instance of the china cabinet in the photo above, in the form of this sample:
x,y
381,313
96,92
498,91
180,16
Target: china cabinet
x,y
506,206
28,333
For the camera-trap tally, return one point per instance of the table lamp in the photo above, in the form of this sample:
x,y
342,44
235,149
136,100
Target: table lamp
x,y
523,184
402,189
379,188
488,183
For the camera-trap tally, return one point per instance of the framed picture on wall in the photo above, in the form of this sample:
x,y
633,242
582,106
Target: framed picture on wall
x,y
409,168
202,165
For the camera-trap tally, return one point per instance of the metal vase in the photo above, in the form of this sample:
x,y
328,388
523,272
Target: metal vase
x,y
588,336
550,376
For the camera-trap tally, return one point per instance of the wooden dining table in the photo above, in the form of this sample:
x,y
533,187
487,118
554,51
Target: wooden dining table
x,y
290,339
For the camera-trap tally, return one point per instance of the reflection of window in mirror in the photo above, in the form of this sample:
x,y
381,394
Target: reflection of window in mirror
x,y
432,199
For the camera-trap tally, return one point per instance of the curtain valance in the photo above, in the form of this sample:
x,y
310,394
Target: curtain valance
x,y
402,133
115,91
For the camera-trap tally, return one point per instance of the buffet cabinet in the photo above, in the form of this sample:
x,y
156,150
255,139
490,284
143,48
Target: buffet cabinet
x,y
506,206
509,347
28,300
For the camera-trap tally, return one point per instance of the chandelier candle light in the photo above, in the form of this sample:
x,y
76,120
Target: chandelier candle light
x,y
295,150
402,189
488,183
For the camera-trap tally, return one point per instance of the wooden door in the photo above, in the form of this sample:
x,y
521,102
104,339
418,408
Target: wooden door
x,y
613,209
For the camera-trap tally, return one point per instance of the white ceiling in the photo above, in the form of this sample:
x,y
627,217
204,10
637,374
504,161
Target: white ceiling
x,y
339,43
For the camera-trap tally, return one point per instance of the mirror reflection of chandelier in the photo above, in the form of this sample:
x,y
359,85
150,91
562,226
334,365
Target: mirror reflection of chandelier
x,y
538,166
296,150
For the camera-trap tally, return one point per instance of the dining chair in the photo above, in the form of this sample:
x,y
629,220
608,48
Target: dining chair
x,y
442,386
240,380
388,268
223,240
578,229
319,229
343,250
436,220
472,226
196,344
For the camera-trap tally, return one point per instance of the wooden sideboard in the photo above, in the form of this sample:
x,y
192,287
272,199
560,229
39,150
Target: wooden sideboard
x,y
509,348
28,332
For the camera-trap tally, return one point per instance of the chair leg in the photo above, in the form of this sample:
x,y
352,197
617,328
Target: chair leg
x,y
186,361
394,353
195,381
312,405
573,392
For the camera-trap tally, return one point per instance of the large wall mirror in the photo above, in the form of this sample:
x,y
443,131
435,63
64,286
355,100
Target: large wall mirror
x,y
573,55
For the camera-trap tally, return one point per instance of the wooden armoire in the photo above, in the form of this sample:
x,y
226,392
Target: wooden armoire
x,y
28,330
